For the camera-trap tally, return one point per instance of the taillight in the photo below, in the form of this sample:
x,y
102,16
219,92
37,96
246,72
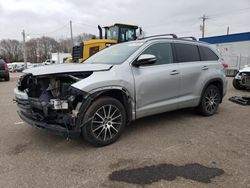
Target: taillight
x,y
225,65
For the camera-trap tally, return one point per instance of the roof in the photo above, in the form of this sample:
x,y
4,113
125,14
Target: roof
x,y
168,37
123,25
237,37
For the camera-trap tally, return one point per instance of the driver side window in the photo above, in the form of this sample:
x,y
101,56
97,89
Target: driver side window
x,y
162,52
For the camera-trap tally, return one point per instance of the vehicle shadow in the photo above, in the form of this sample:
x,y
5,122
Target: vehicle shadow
x,y
4,81
159,120
58,143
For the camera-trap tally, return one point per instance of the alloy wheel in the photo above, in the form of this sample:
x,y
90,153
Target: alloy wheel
x,y
211,100
106,122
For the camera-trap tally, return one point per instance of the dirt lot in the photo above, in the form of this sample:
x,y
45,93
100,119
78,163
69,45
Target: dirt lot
x,y
176,149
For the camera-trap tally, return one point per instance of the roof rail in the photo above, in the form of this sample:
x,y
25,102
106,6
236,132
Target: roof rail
x,y
192,38
161,35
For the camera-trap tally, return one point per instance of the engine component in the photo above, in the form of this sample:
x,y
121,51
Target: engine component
x,y
57,104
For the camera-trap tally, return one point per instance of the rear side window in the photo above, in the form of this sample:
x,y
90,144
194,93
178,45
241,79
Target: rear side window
x,y
207,54
186,52
162,52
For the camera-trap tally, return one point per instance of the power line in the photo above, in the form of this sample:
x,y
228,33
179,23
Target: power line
x,y
50,32
84,24
169,22
62,27
211,15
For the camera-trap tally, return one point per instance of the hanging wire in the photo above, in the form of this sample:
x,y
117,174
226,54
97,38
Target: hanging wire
x,y
222,13
50,32
60,28
84,24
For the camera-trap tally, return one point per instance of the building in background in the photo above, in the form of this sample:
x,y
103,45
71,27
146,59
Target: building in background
x,y
235,49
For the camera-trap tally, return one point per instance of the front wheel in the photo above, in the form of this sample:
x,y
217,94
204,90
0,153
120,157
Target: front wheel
x,y
237,85
106,119
210,101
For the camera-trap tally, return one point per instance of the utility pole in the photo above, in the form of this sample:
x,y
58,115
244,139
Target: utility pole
x,y
228,30
24,50
71,34
204,18
37,51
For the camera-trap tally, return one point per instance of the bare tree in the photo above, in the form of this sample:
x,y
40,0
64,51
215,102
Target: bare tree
x,y
32,53
11,50
38,49
65,45
47,46
83,37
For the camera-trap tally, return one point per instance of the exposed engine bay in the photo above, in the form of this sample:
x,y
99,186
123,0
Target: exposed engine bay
x,y
51,98
244,78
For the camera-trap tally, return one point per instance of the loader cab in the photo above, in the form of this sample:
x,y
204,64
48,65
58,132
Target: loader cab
x,y
113,34
121,32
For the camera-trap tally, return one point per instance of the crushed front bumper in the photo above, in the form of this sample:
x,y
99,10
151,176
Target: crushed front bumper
x,y
27,115
243,78
53,128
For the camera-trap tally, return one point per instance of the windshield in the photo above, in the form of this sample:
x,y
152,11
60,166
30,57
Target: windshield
x,y
127,34
116,54
112,33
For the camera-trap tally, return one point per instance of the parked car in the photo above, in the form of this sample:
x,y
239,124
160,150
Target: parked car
x,y
19,68
4,71
242,79
49,62
120,84
34,65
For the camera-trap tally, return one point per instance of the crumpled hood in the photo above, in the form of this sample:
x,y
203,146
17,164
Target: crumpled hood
x,y
245,69
66,68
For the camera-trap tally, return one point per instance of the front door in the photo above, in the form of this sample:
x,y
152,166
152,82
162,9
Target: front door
x,y
157,86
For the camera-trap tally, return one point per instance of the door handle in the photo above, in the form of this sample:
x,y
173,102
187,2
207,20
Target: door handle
x,y
205,68
174,72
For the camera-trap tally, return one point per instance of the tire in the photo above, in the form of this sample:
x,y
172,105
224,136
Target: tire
x,y
7,78
237,85
210,101
100,129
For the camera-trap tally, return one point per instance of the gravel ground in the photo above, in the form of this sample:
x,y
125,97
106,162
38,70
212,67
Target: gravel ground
x,y
175,149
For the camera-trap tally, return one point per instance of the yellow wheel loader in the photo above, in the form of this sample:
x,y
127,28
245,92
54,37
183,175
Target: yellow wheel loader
x,y
114,34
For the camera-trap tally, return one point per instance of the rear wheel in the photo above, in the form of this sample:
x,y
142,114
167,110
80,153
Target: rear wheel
x,y
210,101
237,85
106,119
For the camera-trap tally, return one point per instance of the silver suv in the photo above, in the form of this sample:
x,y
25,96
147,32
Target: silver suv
x,y
120,84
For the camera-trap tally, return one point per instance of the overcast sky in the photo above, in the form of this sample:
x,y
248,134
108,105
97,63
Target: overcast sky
x,y
51,17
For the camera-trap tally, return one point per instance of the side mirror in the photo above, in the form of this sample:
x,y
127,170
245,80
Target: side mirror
x,y
145,59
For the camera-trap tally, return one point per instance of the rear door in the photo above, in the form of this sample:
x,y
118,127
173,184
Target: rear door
x,y
157,86
190,66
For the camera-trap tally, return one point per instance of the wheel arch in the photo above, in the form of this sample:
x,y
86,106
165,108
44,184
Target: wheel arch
x,y
119,93
217,82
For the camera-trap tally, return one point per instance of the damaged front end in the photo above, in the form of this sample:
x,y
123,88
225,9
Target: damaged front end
x,y
243,78
50,102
